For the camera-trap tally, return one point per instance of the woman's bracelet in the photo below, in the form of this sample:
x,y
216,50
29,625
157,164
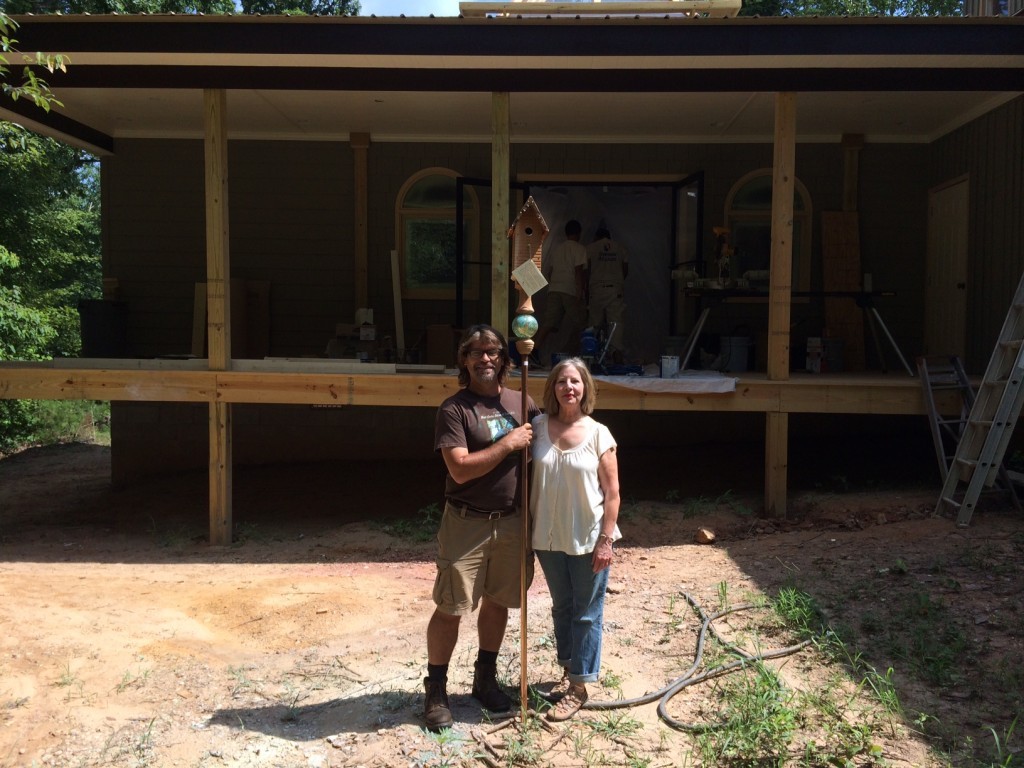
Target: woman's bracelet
x,y
606,537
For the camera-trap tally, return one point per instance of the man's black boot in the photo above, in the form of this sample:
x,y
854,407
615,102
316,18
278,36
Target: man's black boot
x,y
436,711
486,689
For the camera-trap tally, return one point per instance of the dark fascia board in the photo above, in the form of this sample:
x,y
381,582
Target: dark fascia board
x,y
498,38
555,81
27,114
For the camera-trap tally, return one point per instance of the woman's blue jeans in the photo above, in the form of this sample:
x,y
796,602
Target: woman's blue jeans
x,y
577,608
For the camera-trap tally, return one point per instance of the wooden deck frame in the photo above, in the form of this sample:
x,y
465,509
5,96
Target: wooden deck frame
x,y
144,381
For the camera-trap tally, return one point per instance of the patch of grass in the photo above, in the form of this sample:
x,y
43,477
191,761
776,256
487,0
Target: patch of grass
x,y
1002,754
799,612
128,680
704,505
421,528
70,680
292,698
754,724
240,675
522,746
448,749
131,745
616,724
613,682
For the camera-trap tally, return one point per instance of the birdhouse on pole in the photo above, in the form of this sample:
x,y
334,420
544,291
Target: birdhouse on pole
x,y
528,233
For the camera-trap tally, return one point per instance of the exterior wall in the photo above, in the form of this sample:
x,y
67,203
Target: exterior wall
x,y
990,151
291,219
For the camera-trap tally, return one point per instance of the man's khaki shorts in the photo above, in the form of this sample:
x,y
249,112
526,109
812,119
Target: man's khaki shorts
x,y
479,558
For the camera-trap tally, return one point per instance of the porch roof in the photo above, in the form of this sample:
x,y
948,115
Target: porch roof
x,y
429,79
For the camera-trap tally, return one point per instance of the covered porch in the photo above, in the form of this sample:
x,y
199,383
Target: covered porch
x,y
373,85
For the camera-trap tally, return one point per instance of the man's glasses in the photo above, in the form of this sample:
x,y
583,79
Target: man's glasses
x,y
490,354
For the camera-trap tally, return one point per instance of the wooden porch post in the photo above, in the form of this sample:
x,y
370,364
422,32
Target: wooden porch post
x,y
500,274
780,295
218,307
360,145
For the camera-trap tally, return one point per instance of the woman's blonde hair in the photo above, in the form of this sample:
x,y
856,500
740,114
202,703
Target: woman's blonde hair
x,y
589,399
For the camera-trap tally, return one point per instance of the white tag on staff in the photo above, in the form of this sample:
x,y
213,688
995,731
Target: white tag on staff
x,y
529,277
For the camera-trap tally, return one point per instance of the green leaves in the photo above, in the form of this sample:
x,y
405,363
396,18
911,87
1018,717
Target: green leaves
x,y
852,8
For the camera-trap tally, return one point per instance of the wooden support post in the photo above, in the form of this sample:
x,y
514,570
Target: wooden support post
x,y
218,307
500,273
780,295
776,463
360,145
220,474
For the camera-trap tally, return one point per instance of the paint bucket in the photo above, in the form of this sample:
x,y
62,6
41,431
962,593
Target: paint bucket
x,y
735,353
669,366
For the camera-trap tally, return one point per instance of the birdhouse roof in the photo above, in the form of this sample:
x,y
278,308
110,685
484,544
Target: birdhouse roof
x,y
529,208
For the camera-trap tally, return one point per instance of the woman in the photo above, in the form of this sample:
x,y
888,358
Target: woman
x,y
574,499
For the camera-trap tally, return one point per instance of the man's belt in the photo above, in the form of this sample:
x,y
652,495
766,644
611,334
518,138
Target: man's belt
x,y
464,510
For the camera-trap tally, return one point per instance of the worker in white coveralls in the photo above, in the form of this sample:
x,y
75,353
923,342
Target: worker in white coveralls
x,y
607,267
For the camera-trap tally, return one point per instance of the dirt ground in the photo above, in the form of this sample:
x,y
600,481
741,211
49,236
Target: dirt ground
x,y
127,640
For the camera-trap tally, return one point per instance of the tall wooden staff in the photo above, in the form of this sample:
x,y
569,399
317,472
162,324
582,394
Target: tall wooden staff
x,y
527,232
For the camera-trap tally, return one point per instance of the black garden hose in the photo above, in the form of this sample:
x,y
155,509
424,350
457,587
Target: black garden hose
x,y
689,677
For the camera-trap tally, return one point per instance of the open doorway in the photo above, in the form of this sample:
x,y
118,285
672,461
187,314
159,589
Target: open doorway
x,y
642,217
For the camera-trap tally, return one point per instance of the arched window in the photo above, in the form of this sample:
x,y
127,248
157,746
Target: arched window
x,y
425,236
748,214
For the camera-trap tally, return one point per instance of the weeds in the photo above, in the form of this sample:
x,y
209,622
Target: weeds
x,y
756,721
447,749
241,680
1003,755
70,680
132,681
422,528
703,505
523,745
616,724
132,747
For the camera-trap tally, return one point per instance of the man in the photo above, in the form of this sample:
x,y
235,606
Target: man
x,y
608,265
565,269
480,432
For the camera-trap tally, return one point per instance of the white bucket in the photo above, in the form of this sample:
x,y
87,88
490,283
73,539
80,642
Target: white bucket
x,y
669,366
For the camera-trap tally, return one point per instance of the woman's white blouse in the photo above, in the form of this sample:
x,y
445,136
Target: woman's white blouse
x,y
566,500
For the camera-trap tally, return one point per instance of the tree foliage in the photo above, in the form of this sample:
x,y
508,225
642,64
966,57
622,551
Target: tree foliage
x,y
49,259
852,8
30,85
49,242
209,7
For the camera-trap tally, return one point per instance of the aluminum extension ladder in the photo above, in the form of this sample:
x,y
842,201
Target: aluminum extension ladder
x,y
939,374
991,420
